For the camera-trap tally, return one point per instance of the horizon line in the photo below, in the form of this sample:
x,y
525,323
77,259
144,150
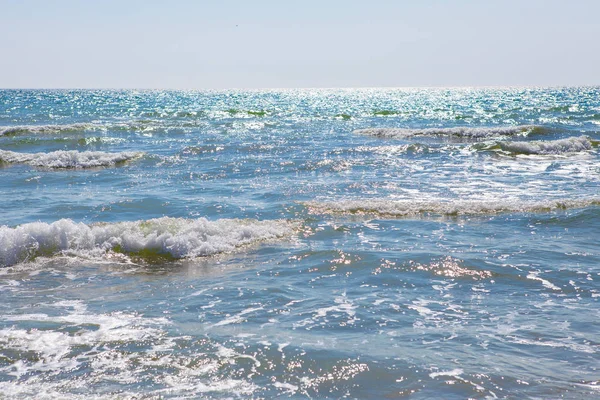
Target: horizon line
x,y
313,88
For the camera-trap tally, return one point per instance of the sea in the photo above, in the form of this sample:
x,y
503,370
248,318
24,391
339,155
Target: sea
x,y
412,243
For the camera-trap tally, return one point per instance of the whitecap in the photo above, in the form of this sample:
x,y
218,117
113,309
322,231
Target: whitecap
x,y
414,207
68,158
546,283
50,128
78,127
162,237
453,373
562,146
461,132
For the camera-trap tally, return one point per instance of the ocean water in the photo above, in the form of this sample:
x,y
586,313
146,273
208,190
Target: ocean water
x,y
372,243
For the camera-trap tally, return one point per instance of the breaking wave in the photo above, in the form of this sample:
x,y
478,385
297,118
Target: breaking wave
x,y
135,125
461,132
408,208
68,158
562,146
161,238
23,129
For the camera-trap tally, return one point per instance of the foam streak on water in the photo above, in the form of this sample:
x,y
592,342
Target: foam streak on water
x,y
368,243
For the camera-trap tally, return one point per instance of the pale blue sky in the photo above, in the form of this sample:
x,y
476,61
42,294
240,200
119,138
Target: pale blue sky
x,y
187,44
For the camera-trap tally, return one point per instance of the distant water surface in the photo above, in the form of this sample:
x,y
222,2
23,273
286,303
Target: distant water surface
x,y
372,243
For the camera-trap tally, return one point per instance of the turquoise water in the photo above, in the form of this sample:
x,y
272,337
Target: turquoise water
x,y
372,243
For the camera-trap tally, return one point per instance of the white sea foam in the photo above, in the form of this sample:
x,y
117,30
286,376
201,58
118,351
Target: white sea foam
x,y
170,237
562,146
53,346
140,125
453,373
52,128
546,283
405,208
238,318
96,342
68,158
343,309
286,387
462,132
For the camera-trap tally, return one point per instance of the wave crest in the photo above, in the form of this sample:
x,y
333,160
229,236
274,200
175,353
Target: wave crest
x,y
68,158
139,125
562,146
53,128
461,132
408,208
164,237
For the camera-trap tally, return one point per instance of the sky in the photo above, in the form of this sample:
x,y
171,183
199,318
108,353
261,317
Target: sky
x,y
220,44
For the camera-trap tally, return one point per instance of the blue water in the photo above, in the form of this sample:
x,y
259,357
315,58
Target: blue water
x,y
372,243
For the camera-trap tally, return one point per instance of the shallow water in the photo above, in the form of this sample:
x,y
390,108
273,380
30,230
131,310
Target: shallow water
x,y
369,243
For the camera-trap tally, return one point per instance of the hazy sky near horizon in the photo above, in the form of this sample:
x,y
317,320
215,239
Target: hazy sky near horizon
x,y
186,44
